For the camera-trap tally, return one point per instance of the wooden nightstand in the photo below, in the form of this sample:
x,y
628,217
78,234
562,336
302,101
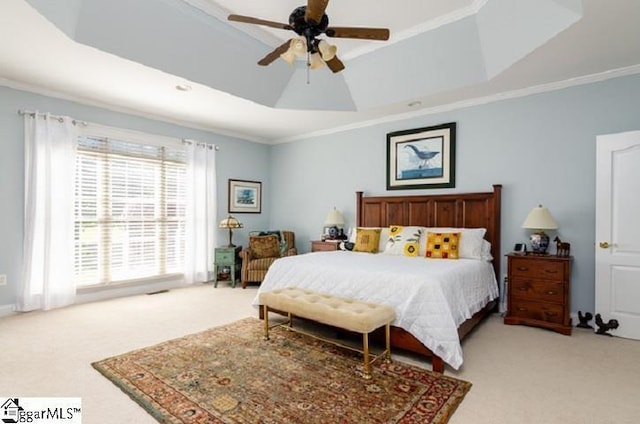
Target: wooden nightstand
x,y
538,291
227,257
325,246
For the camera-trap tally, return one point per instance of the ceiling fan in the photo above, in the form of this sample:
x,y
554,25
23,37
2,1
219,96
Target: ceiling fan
x,y
309,22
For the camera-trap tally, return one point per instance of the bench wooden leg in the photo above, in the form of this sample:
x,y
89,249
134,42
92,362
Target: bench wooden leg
x,y
365,351
265,312
387,333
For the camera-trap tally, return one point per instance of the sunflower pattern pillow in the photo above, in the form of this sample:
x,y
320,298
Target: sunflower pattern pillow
x,y
443,245
403,240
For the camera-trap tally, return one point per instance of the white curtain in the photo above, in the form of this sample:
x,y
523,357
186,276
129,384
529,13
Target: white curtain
x,y
201,221
48,265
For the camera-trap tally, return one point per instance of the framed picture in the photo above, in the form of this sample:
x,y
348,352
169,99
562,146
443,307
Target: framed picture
x,y
245,196
422,158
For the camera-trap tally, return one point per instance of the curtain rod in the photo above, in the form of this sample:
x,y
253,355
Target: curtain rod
x,y
58,117
200,143
84,124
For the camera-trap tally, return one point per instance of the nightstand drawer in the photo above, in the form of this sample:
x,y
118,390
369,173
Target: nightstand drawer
x,y
225,256
324,246
522,267
548,291
540,311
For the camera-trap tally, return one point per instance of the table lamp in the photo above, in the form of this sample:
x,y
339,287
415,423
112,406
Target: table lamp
x,y
539,219
230,223
333,223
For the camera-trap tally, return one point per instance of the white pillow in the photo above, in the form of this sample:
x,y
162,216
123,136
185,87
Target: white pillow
x,y
470,240
407,236
384,236
486,251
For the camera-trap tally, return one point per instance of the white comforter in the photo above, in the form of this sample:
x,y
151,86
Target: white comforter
x,y
432,297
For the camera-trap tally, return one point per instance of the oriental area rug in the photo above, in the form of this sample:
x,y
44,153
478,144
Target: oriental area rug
x,y
230,374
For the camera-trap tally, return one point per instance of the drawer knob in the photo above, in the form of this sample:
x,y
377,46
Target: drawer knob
x,y
521,309
551,314
551,292
522,268
551,271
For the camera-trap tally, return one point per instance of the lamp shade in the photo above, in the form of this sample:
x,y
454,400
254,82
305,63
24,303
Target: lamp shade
x,y
230,222
327,51
315,61
334,219
299,46
289,56
540,219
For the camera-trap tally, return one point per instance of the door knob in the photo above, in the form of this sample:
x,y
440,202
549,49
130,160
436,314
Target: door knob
x,y
604,245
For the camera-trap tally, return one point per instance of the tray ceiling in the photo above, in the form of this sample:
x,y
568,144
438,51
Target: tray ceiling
x,y
130,56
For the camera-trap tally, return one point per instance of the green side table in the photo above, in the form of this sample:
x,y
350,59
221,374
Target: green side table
x,y
227,257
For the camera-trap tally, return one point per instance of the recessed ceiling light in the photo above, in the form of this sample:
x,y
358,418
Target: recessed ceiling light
x,y
183,87
414,103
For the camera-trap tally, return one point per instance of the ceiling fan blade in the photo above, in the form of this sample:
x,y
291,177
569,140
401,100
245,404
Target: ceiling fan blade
x,y
350,32
274,54
315,10
335,64
251,20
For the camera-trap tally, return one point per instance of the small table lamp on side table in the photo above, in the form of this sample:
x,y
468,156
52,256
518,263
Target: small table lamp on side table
x,y
333,225
539,219
230,223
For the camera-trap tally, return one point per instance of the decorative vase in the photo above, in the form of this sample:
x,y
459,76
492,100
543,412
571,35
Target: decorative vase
x,y
539,242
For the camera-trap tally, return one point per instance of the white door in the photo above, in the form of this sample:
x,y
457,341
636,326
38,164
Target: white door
x,y
618,231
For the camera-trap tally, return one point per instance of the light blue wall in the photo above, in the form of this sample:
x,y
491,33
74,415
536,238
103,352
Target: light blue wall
x,y
237,159
541,148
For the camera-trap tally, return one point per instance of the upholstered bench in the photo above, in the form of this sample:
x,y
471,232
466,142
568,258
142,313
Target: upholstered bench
x,y
348,314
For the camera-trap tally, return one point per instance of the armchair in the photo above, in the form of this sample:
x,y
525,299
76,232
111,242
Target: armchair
x,y
264,248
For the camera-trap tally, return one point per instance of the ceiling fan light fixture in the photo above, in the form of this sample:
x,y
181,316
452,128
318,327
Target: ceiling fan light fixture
x,y
315,61
299,46
308,22
327,51
289,56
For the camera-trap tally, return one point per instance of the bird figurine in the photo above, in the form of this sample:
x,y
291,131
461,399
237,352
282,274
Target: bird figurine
x,y
604,327
424,155
584,319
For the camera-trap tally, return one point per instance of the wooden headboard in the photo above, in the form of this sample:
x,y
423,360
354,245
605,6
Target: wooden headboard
x,y
461,210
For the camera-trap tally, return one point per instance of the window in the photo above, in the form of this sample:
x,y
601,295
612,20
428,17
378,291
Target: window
x,y
129,210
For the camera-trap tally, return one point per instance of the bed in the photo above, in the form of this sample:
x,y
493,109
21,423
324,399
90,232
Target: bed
x,y
429,322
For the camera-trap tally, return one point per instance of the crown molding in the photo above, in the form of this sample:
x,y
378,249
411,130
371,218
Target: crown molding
x,y
538,89
514,94
35,89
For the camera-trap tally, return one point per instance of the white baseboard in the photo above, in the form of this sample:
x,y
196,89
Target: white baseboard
x,y
111,293
114,292
6,310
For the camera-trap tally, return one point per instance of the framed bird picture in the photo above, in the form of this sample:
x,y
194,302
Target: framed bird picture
x,y
422,158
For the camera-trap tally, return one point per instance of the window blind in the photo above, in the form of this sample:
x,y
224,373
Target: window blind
x,y
129,211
